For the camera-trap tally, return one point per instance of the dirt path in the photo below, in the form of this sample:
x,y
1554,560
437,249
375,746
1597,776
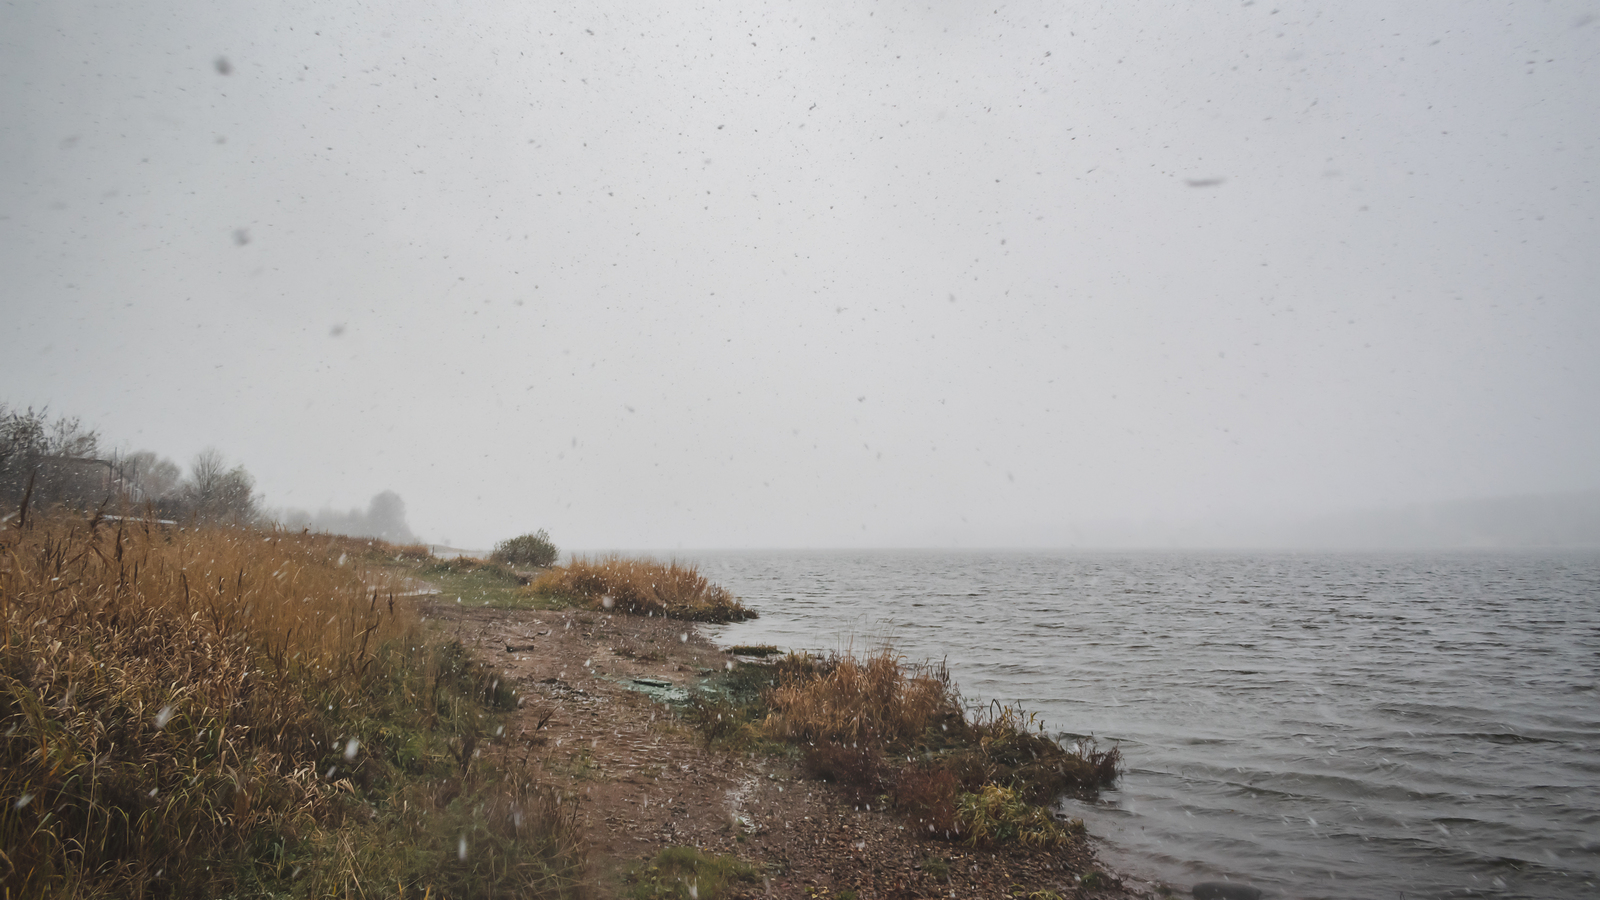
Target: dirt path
x,y
646,781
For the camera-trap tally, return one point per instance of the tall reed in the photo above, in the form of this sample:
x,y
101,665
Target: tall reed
x,y
877,699
174,701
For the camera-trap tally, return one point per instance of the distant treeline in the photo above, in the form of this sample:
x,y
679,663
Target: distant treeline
x,y
46,463
384,518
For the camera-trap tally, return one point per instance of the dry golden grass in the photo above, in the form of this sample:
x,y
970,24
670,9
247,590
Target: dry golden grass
x,y
153,694
362,548
177,706
876,700
642,587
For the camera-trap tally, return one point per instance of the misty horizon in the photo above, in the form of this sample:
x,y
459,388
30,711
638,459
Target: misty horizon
x,y
835,276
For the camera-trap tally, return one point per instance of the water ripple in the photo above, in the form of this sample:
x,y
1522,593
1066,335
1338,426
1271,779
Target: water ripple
x,y
1326,726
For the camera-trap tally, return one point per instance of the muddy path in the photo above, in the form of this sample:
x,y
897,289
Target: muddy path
x,y
646,781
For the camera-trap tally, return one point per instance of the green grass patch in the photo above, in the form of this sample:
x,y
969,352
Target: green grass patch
x,y
684,873
998,815
478,583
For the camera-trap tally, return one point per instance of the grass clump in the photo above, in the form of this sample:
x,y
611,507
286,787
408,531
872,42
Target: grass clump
x,y
999,815
642,587
888,731
528,550
489,834
723,724
876,700
1013,749
202,712
756,650
684,873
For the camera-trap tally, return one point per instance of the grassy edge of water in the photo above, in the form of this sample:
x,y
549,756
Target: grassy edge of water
x,y
900,735
637,586
363,757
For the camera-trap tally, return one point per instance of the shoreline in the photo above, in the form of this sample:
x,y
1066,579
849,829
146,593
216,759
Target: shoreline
x,y
645,779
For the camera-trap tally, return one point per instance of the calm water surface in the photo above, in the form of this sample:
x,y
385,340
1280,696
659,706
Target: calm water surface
x,y
1323,726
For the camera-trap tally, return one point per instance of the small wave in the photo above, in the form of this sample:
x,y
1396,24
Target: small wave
x,y
1397,768
1501,737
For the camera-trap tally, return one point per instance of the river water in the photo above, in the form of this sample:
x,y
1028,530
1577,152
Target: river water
x,y
1318,725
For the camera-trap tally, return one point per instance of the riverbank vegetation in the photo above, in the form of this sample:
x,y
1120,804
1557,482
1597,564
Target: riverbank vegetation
x,y
524,551
642,587
195,704
225,710
898,734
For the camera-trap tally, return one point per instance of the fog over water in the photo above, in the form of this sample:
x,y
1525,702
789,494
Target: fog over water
x,y
822,274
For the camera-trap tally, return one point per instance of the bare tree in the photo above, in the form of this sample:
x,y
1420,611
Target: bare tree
x,y
205,473
216,493
149,477
59,459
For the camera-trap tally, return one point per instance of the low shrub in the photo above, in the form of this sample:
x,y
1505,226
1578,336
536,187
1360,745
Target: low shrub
x,y
526,551
642,587
857,769
926,794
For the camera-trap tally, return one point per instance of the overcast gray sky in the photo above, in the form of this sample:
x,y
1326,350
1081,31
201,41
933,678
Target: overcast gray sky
x,y
814,274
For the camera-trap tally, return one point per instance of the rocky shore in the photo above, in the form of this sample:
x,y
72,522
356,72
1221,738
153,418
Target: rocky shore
x,y
593,721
